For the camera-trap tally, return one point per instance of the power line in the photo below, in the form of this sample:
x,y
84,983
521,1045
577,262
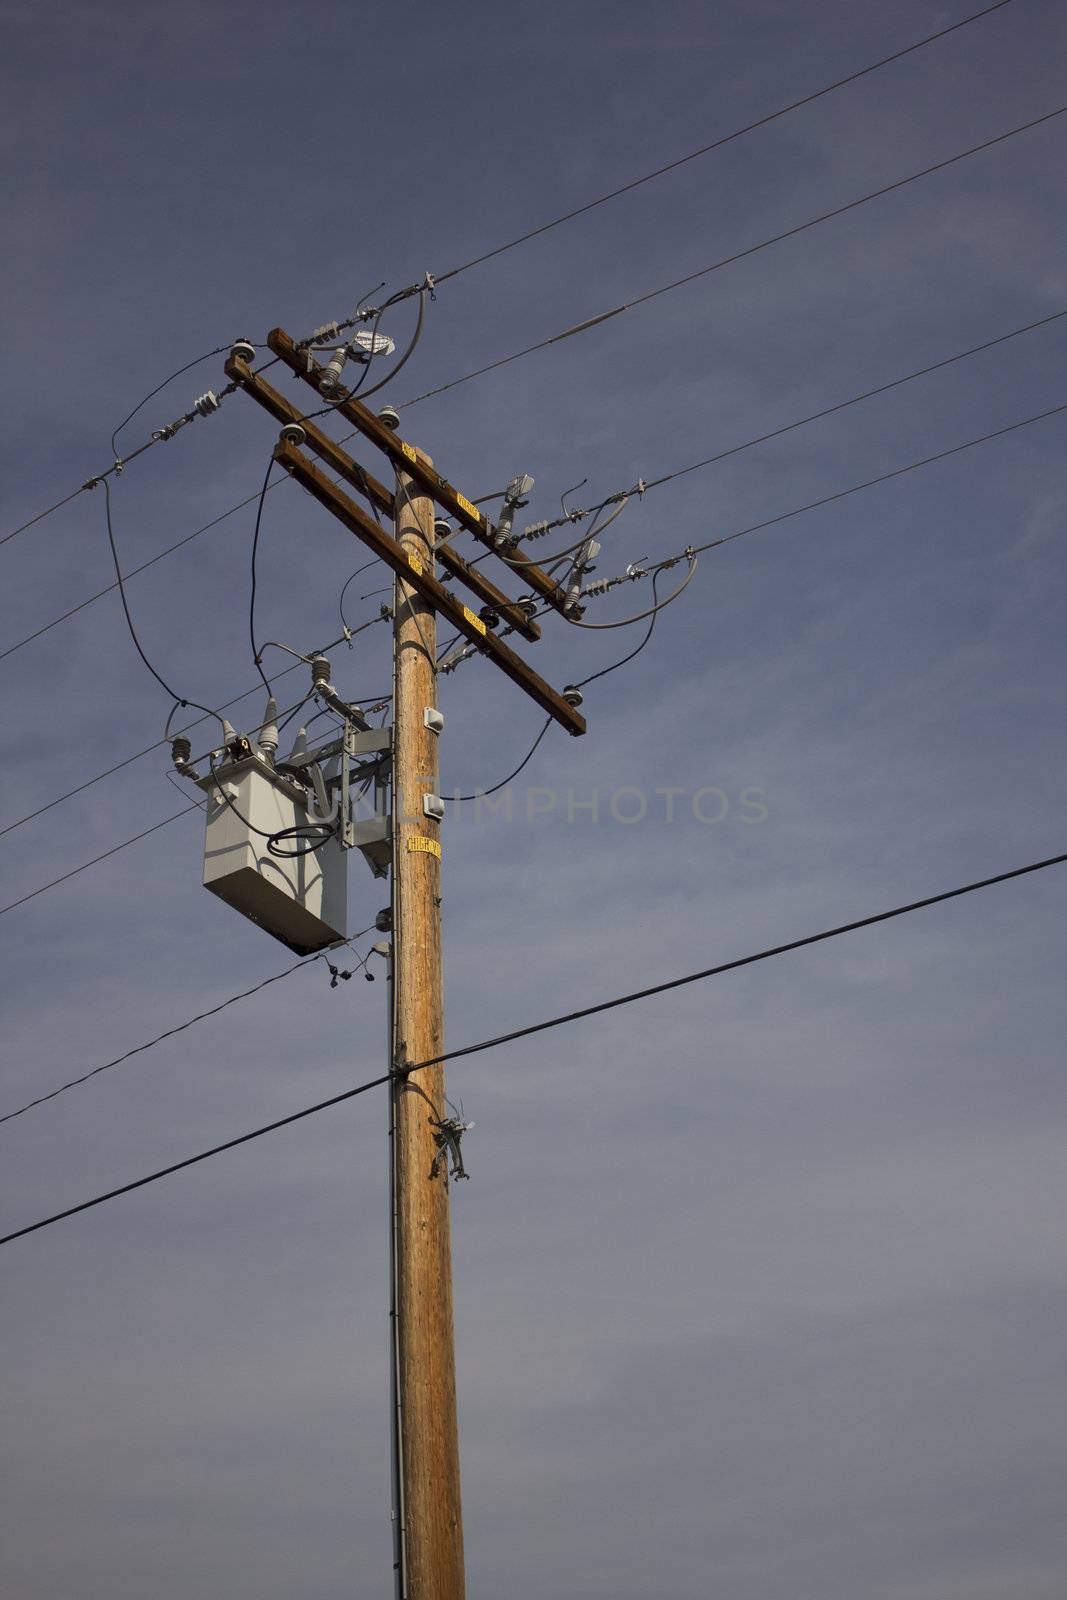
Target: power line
x,y
190,1022
884,477
747,444
801,422
133,572
161,744
526,1032
579,211
73,873
717,144
711,544
139,1049
739,255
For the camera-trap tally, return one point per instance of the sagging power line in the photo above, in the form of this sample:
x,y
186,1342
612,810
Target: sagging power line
x,y
665,987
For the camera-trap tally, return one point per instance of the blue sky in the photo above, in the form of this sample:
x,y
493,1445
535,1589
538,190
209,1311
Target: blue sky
x,y
759,1286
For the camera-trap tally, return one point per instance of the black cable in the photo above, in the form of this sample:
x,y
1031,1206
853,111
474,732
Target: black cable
x,y
755,527
593,676
738,255
717,144
552,1022
160,744
344,588
802,422
73,873
671,166
313,834
134,571
481,794
169,1034
256,655
611,499
884,477
179,699
220,350
42,514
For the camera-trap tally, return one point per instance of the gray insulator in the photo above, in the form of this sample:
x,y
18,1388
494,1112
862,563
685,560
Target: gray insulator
x,y
390,416
241,350
320,671
572,694
383,922
294,434
330,383
205,404
268,733
180,750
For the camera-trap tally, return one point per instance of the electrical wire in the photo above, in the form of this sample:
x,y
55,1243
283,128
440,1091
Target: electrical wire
x,y
256,652
190,1022
73,873
219,350
738,255
653,614
654,610
636,183
644,486
610,499
139,1049
42,514
135,571
160,744
725,139
179,699
354,392
665,987
755,527
482,794
884,477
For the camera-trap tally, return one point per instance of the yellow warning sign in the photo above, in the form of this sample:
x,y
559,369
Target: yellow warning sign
x,y
469,507
422,845
415,564
409,450
474,619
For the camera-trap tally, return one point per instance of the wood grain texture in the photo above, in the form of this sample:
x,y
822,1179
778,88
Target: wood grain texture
x,y
427,1373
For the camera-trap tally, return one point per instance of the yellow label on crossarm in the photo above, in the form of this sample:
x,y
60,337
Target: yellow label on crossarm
x,y
415,564
474,619
420,844
469,507
409,450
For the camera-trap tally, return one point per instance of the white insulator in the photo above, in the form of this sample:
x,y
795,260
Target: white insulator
x,y
205,404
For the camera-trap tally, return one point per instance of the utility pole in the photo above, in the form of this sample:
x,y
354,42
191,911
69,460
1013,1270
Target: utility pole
x,y
430,1531
428,1521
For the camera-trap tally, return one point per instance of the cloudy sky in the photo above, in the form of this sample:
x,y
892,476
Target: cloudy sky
x,y
760,1286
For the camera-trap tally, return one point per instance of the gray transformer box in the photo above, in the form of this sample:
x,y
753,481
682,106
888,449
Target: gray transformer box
x,y
301,900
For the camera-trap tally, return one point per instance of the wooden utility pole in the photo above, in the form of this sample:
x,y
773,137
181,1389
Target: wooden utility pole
x,y
429,1528
430,1543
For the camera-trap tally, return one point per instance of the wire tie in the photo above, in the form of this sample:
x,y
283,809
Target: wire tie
x,y
431,284
641,486
117,468
90,483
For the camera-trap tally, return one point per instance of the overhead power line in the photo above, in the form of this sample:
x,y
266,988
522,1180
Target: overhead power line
x,y
711,544
717,144
666,987
613,194
695,466
150,1044
161,744
85,865
738,255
